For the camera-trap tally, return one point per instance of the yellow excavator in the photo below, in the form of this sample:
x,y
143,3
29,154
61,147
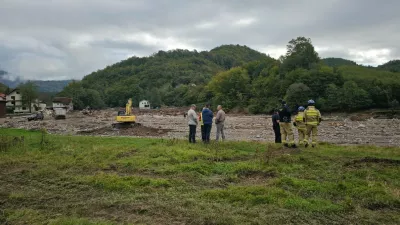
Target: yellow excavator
x,y
125,118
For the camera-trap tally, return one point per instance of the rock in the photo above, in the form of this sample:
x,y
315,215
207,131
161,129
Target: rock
x,y
258,136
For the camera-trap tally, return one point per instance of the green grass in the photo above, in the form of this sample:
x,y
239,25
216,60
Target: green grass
x,y
119,180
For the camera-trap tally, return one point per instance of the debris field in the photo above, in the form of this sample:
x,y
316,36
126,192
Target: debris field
x,y
349,129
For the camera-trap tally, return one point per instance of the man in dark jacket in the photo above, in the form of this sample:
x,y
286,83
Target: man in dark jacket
x,y
276,127
207,117
285,123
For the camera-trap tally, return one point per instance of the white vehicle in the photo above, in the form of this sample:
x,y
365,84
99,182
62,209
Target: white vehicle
x,y
59,113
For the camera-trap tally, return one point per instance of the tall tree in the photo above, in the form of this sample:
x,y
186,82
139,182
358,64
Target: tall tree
x,y
297,94
29,94
332,100
231,88
355,97
300,54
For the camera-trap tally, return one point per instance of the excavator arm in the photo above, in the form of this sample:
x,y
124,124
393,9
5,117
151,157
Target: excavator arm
x,y
128,109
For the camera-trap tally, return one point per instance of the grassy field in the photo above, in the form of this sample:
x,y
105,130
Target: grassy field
x,y
115,180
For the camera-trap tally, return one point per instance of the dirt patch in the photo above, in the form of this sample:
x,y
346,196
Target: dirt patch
x,y
256,174
254,177
375,206
360,117
167,111
381,161
386,114
140,131
126,154
283,151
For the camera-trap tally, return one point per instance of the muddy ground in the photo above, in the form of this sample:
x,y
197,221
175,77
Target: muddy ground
x,y
364,128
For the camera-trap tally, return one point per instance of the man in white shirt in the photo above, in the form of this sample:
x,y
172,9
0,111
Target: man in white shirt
x,y
192,121
220,121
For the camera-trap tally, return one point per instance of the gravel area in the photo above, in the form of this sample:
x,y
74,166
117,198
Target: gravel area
x,y
338,129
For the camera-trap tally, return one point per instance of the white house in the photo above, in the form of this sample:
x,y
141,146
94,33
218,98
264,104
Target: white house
x,y
144,104
14,100
63,102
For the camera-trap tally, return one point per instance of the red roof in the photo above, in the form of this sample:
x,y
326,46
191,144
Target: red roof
x,y
2,95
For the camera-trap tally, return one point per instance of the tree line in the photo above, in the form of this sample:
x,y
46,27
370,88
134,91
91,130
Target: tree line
x,y
240,78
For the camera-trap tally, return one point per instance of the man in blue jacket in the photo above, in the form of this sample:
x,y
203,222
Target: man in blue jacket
x,y
207,117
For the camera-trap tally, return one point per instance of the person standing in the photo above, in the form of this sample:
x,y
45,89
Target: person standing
x,y
295,109
207,117
285,123
220,121
276,127
300,125
312,118
203,133
192,121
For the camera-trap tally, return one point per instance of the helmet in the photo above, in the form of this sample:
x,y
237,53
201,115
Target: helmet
x,y
301,109
311,101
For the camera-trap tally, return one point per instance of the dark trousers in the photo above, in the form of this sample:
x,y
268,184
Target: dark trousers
x,y
203,133
277,131
192,133
207,132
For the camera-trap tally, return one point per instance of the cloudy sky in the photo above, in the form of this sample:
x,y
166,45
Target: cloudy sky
x,y
62,39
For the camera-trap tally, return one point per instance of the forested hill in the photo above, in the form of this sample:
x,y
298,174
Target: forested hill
x,y
163,78
44,86
336,62
239,77
393,66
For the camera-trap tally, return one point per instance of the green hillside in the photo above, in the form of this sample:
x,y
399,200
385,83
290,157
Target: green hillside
x,y
392,66
229,56
42,85
170,78
336,62
361,74
240,78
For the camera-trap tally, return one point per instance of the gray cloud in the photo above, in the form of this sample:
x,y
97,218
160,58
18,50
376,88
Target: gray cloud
x,y
70,38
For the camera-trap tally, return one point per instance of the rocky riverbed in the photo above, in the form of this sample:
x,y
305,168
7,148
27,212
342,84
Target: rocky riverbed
x,y
170,123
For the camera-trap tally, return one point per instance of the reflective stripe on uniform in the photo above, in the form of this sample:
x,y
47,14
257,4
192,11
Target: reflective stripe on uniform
x,y
299,117
311,115
299,121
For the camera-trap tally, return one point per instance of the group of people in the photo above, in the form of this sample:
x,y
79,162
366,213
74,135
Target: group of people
x,y
306,121
205,118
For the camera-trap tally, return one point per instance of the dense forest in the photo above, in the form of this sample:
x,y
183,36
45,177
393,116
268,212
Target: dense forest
x,y
177,77
241,78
